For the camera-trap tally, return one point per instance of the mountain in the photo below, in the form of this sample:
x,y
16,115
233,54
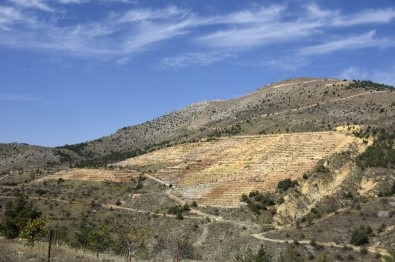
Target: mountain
x,y
295,105
304,167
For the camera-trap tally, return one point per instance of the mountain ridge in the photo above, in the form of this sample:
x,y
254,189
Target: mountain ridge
x,y
293,105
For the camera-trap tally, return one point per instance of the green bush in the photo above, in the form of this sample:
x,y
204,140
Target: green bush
x,y
178,211
360,236
380,154
262,255
286,183
257,201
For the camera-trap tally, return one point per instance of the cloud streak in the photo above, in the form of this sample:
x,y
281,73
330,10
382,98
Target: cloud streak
x,y
18,98
35,4
192,59
351,43
118,36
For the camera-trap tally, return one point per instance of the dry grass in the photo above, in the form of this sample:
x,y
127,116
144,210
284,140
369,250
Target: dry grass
x,y
97,175
16,251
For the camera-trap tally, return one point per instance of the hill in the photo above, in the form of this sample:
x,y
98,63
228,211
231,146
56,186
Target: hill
x,y
218,172
304,167
295,105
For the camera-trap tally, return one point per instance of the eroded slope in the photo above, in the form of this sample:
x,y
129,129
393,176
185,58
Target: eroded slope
x,y
218,172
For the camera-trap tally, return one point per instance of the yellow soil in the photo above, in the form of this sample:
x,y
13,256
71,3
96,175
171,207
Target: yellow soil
x,y
367,186
217,173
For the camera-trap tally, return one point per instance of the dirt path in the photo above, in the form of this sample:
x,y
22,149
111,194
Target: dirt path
x,y
148,212
4,177
183,202
372,249
202,238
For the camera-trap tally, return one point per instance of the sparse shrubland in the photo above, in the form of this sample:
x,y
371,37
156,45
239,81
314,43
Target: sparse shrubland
x,y
257,201
360,236
381,153
286,183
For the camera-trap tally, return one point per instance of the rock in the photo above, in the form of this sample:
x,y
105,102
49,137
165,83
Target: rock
x,y
310,250
383,214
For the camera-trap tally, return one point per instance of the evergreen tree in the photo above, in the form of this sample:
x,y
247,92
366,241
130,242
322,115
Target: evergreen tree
x,y
17,215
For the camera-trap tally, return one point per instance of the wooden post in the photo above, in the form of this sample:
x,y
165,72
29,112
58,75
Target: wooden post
x,y
49,245
178,252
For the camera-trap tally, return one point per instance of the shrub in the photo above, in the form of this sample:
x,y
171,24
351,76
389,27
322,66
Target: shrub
x,y
17,215
360,236
380,154
262,255
257,201
286,183
391,256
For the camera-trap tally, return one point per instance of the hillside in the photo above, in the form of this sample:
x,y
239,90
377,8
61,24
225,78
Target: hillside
x,y
295,105
304,167
218,172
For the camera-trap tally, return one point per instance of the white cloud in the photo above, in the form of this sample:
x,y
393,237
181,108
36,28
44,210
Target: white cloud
x,y
73,1
378,16
119,35
384,76
8,15
350,43
37,4
139,15
99,40
192,59
316,11
19,98
353,73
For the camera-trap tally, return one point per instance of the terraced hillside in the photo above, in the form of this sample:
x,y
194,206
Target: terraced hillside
x,y
218,172
98,175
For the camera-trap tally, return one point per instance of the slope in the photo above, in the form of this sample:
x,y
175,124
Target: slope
x,y
217,172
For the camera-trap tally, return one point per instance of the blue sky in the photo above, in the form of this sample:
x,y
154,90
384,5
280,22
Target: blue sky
x,y
75,70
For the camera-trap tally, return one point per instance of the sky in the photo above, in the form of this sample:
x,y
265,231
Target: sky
x,y
76,70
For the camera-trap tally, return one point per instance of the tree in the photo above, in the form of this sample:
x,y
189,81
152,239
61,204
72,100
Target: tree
x,y
34,230
17,215
99,239
262,255
135,238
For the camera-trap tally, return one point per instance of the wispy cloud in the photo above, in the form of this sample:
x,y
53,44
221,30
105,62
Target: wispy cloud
x,y
353,73
18,98
73,1
378,16
118,36
351,43
37,4
192,59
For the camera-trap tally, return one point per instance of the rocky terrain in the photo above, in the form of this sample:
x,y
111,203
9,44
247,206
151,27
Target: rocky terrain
x,y
304,167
